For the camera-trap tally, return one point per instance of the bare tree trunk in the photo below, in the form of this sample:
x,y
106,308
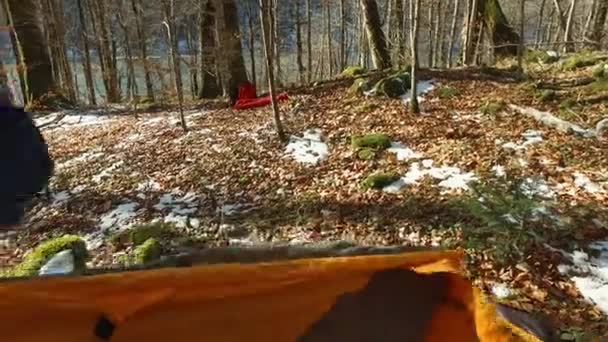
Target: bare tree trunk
x,y
598,31
309,40
343,57
267,20
590,16
88,73
453,33
376,38
400,35
549,29
137,7
99,11
169,23
277,42
233,64
330,56
520,50
539,25
131,81
437,34
16,51
568,45
190,24
65,63
471,28
207,45
431,51
414,17
35,61
299,60
250,14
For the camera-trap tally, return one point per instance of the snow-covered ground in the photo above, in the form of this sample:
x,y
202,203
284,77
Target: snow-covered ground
x,y
423,87
310,148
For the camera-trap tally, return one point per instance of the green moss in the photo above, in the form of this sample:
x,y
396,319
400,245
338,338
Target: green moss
x,y
40,255
353,70
393,86
366,154
600,71
446,92
492,108
568,104
582,60
546,95
540,56
379,180
599,86
138,234
359,86
376,141
148,251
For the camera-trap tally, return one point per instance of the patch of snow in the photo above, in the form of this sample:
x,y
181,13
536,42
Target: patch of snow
x,y
423,87
149,185
180,207
87,156
583,182
403,152
530,137
79,189
195,223
309,149
118,219
501,291
61,197
60,263
536,187
153,121
180,221
107,172
590,274
499,170
451,177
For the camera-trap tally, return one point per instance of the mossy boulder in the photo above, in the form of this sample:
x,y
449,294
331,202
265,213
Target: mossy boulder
x,y
366,153
353,70
547,95
360,86
540,56
149,251
379,180
600,71
446,92
39,256
376,141
492,108
393,86
138,234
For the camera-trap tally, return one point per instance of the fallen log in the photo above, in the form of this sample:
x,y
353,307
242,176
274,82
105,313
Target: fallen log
x,y
551,120
594,99
565,83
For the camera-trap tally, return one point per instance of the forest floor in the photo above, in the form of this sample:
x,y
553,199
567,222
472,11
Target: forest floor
x,y
541,245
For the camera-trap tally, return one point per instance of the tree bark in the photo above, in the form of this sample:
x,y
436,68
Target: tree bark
x,y
277,42
267,20
437,36
88,73
34,60
343,59
330,57
252,41
520,47
376,38
568,44
169,23
414,16
539,26
598,31
137,7
209,84
431,25
400,35
100,11
299,60
309,40
132,90
190,24
590,16
453,33
235,71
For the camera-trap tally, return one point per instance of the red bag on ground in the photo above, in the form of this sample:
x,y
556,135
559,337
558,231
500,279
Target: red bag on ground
x,y
247,98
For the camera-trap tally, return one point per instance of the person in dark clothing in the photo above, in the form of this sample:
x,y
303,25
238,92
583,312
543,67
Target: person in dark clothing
x,y
25,163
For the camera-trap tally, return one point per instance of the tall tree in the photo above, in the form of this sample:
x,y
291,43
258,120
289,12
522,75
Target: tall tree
x,y
376,38
520,47
233,65
207,44
343,56
330,57
84,37
539,25
453,33
132,90
400,34
169,23
250,21
299,60
267,20
414,24
568,43
137,7
309,40
35,62
597,31
431,50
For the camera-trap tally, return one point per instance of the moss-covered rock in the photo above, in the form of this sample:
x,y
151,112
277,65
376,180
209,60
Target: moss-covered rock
x,y
40,255
393,86
366,153
379,180
582,60
359,86
138,234
492,108
547,95
540,56
148,251
377,141
353,70
446,92
600,71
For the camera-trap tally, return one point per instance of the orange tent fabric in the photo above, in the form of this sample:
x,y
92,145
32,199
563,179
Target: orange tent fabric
x,y
418,296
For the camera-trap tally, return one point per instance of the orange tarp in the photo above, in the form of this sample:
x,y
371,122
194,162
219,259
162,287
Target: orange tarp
x,y
416,296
